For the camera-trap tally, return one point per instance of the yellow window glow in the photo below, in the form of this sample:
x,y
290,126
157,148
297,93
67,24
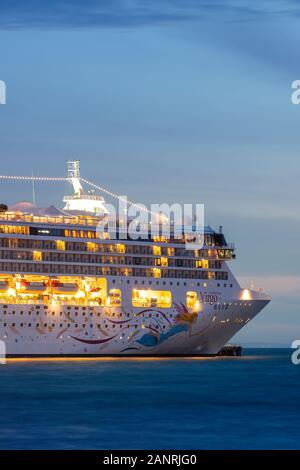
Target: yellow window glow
x,y
156,272
91,246
60,245
156,250
37,256
151,298
114,298
192,301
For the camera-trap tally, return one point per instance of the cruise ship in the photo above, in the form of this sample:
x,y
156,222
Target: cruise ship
x,y
66,289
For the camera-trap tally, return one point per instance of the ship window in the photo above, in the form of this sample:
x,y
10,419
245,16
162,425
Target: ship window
x,y
120,248
156,250
114,298
91,246
192,299
96,290
60,245
160,238
14,229
151,298
156,272
37,256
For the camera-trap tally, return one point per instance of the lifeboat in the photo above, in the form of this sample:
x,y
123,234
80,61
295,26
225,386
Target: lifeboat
x,y
67,288
3,286
32,287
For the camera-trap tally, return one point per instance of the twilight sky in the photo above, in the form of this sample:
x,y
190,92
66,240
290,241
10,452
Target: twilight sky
x,y
167,101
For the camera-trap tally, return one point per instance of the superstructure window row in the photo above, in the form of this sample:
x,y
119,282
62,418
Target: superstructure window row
x,y
70,269
130,249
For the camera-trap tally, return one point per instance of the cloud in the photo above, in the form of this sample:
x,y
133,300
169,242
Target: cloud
x,y
17,14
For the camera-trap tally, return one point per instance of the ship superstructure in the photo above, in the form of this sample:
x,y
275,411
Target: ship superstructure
x,y
66,289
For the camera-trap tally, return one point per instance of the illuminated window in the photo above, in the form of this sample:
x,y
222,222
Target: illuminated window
x,y
37,256
60,245
156,272
171,251
211,275
96,289
151,298
14,229
120,248
156,250
164,261
114,298
192,301
160,238
91,246
204,263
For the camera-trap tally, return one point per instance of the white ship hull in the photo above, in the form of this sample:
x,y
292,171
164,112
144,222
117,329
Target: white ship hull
x,y
38,330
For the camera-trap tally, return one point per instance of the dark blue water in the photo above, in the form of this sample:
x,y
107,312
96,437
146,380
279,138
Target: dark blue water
x,y
225,403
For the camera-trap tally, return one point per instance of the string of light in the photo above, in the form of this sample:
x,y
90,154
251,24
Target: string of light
x,y
59,179
114,195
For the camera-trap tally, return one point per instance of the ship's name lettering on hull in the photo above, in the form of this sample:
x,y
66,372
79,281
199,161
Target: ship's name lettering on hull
x,y
211,298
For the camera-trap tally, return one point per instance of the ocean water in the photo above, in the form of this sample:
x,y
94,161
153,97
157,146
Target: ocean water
x,y
250,402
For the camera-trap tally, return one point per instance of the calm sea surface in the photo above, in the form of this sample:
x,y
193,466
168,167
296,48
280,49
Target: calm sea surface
x,y
225,403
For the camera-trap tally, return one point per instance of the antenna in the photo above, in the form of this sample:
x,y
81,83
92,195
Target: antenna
x,y
73,169
74,176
